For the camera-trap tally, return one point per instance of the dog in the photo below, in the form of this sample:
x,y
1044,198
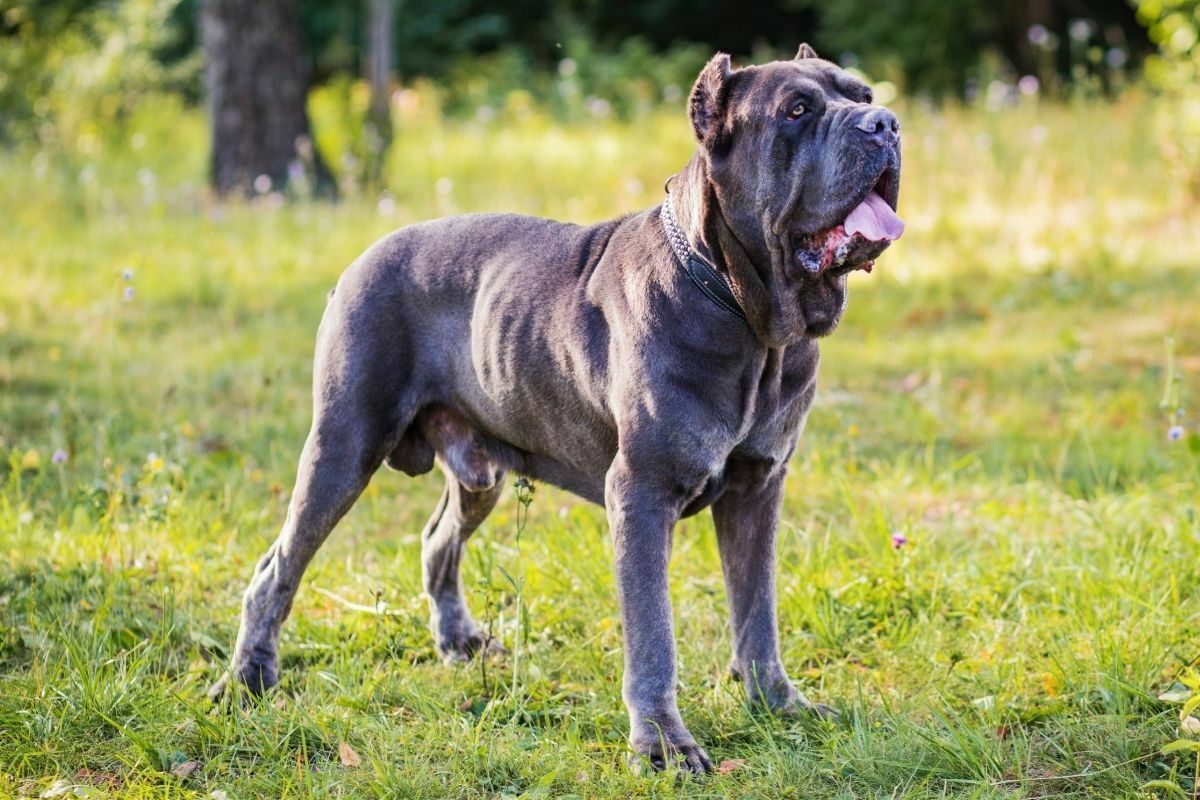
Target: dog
x,y
658,364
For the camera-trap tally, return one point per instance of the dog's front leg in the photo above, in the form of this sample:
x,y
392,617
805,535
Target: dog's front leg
x,y
642,519
747,518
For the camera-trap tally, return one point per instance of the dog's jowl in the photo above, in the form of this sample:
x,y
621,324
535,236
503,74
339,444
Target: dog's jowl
x,y
658,364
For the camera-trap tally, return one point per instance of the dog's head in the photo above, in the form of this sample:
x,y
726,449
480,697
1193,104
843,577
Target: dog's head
x,y
803,177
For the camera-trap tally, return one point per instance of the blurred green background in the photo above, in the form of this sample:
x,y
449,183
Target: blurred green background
x,y
71,67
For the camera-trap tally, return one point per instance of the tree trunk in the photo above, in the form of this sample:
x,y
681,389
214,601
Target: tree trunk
x,y
257,78
378,36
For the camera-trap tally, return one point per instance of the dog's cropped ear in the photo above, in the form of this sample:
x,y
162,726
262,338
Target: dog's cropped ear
x,y
806,51
707,104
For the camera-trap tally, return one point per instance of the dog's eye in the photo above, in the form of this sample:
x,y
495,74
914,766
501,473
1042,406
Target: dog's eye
x,y
868,96
797,111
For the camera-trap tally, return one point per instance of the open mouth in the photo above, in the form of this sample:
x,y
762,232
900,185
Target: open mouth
x,y
853,244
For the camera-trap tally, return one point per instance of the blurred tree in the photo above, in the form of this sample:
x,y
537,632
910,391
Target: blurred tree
x,y
66,61
379,51
1175,27
941,46
929,43
258,78
94,59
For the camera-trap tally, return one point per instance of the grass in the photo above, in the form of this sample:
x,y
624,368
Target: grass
x,y
992,393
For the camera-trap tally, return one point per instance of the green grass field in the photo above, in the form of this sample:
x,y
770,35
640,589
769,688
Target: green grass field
x,y
993,394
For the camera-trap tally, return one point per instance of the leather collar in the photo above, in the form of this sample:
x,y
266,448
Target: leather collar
x,y
702,272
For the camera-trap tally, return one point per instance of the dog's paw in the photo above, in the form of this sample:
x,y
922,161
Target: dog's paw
x,y
803,707
782,698
659,754
795,705
255,679
461,648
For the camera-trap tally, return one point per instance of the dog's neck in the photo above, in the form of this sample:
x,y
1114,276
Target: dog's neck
x,y
694,204
751,276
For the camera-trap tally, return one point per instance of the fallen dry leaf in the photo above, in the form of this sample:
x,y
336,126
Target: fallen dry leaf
x,y
729,765
1190,725
97,778
185,769
347,756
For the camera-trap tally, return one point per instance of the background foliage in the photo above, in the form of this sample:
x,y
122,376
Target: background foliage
x,y
72,48
1174,26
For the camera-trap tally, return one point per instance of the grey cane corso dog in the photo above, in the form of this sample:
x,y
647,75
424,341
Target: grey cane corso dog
x,y
660,363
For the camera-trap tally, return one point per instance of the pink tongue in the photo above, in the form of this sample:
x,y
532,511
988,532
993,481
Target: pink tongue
x,y
875,220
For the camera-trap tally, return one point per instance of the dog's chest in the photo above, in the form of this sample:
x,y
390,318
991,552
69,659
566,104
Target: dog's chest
x,y
775,403
773,417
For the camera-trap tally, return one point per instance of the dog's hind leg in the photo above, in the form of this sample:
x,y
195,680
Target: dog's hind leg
x,y
358,418
342,452
458,514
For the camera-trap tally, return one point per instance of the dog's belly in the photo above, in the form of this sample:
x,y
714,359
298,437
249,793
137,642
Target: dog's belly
x,y
548,434
543,468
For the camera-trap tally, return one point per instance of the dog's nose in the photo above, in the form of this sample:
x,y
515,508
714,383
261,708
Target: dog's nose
x,y
879,123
